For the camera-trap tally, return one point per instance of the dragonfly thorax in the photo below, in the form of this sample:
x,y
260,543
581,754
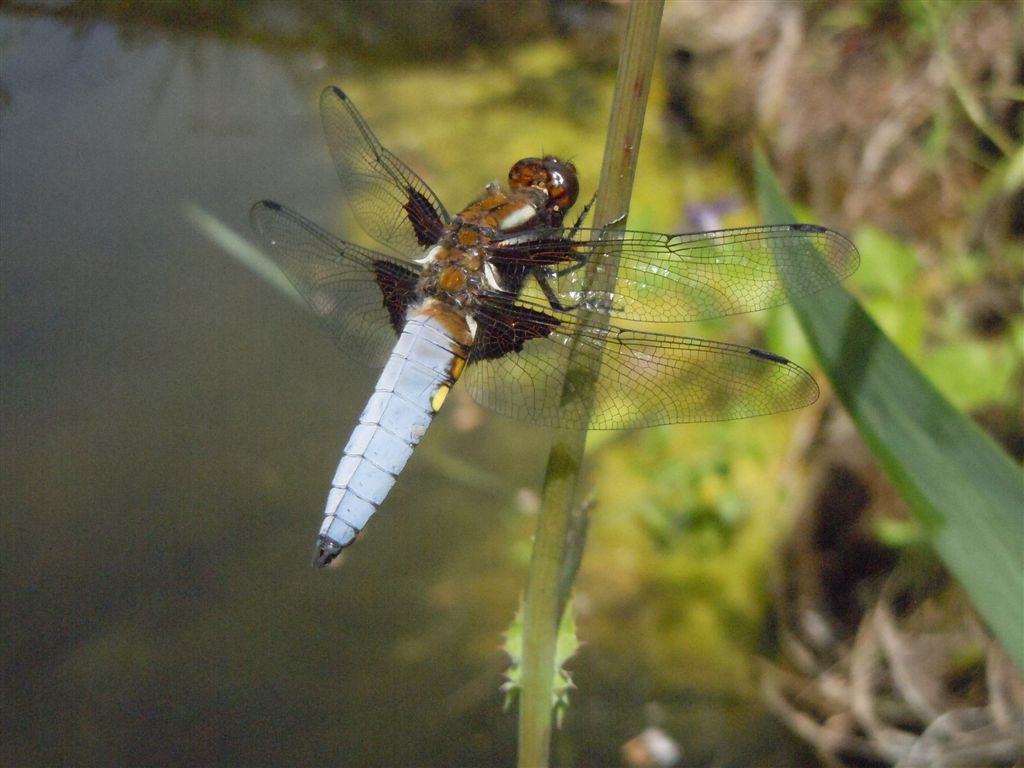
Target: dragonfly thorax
x,y
453,274
457,269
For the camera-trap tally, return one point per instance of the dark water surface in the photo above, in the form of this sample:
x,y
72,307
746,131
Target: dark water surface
x,y
170,424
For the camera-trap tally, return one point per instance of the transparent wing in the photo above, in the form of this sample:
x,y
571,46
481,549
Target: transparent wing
x,y
679,278
352,290
393,204
645,378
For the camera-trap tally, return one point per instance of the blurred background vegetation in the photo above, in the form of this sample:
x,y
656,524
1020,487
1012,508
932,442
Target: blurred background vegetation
x,y
169,422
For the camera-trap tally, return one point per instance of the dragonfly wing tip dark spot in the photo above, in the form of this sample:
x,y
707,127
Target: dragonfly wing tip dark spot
x,y
806,228
770,356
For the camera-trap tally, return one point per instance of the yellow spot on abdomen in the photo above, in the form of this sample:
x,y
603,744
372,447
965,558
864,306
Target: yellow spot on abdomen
x,y
458,366
439,397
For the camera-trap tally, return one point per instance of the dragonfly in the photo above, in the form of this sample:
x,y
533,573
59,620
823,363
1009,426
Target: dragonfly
x,y
501,294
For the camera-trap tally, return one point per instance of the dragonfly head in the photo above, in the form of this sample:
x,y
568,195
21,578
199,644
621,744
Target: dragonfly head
x,y
555,177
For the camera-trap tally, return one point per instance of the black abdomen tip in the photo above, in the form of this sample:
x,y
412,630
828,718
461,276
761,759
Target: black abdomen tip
x,y
326,550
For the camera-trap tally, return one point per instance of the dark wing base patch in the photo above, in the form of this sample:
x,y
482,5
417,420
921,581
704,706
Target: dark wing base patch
x,y
398,287
423,217
503,328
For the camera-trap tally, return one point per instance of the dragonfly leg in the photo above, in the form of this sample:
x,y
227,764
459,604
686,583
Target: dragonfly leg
x,y
583,215
549,292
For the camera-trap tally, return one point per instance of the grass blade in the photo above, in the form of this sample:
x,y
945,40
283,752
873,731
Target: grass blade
x,y
963,488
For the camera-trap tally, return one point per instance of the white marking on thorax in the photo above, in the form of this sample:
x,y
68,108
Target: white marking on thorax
x,y
518,217
491,277
430,256
526,237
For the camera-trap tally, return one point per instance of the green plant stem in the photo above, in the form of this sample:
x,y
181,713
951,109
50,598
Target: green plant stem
x,y
555,544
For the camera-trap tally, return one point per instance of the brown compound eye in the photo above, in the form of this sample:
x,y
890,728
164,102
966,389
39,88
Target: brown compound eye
x,y
563,184
528,172
556,177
